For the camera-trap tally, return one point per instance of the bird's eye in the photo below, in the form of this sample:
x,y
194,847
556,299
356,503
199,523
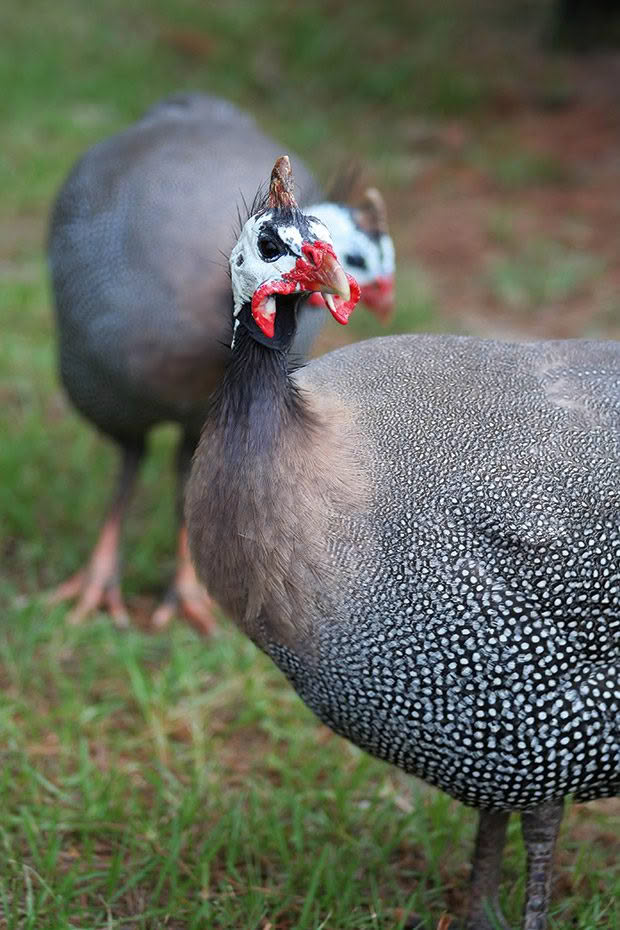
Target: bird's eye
x,y
269,249
356,261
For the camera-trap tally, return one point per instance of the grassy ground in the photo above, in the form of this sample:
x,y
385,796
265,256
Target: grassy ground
x,y
165,781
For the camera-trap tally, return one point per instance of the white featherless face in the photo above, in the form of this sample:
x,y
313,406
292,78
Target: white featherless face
x,y
281,252
268,247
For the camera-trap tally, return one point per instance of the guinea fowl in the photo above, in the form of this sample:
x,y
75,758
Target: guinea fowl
x,y
423,533
142,302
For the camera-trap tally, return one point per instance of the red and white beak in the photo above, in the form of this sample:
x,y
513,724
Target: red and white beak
x,y
317,270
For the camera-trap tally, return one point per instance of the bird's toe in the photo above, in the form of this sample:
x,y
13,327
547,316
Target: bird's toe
x,y
190,601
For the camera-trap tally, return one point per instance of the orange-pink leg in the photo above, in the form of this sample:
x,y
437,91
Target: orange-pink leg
x,y
186,596
97,585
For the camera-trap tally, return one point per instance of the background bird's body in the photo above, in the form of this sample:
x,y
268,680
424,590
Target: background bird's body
x,y
142,293
141,285
461,616
137,244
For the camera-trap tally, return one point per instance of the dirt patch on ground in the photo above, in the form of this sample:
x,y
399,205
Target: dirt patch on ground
x,y
516,218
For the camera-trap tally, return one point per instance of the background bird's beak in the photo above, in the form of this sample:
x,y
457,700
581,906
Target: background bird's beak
x,y
378,296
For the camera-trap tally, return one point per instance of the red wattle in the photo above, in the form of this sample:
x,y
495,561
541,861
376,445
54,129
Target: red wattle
x,y
378,295
344,308
264,319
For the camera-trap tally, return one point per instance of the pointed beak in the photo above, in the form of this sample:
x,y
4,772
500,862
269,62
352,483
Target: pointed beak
x,y
326,276
329,277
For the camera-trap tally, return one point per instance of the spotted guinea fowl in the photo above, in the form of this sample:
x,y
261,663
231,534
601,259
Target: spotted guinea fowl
x,y
142,296
423,532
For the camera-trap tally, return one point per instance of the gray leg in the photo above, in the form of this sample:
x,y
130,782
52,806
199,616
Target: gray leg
x,y
484,912
540,830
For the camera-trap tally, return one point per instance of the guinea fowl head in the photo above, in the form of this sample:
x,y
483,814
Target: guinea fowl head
x,y
364,245
282,256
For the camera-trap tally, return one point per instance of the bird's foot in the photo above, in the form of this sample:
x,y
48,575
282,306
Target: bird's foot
x,y
187,598
96,586
93,592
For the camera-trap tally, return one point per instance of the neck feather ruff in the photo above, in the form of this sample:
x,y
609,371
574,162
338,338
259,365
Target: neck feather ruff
x,y
276,465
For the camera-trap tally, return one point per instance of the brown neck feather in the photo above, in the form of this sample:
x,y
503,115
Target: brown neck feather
x,y
274,465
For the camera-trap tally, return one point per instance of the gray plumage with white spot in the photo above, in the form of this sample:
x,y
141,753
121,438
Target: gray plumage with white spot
x,y
477,641
424,534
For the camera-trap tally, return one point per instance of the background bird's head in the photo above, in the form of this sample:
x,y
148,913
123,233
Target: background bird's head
x,y
365,248
281,257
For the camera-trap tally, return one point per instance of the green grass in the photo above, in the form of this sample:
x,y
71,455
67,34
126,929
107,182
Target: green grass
x,y
156,778
157,781
165,781
542,272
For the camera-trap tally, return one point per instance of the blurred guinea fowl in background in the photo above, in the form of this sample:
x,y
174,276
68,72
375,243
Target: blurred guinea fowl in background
x,y
423,533
142,297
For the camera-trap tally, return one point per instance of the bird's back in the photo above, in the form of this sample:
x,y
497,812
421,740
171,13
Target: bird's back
x,y
476,634
137,244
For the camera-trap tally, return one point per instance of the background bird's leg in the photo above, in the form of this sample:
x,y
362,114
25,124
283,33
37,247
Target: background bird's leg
x,y
540,829
185,596
97,584
484,911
